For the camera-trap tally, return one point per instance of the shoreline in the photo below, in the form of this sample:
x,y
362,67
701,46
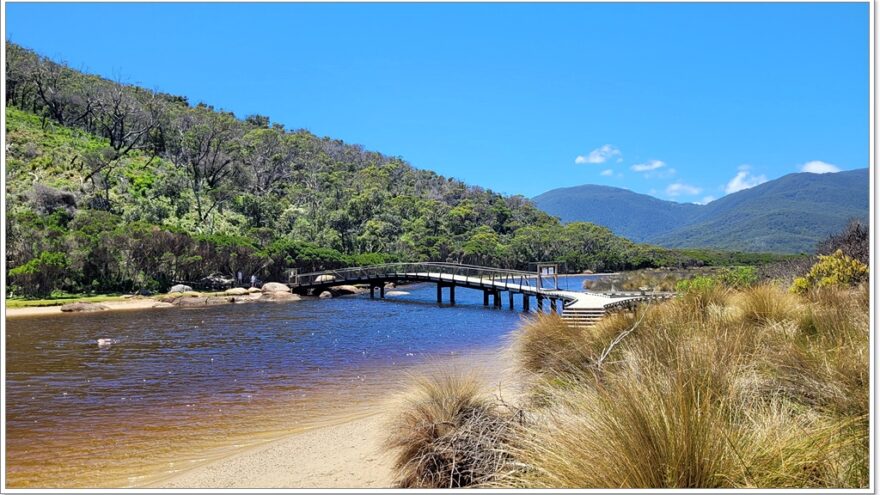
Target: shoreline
x,y
345,454
123,305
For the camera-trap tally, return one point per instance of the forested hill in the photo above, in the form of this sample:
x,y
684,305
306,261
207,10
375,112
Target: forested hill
x,y
113,187
790,214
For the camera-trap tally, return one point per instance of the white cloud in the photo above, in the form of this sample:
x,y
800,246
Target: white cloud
x,y
599,155
819,167
648,166
743,180
678,188
607,172
706,200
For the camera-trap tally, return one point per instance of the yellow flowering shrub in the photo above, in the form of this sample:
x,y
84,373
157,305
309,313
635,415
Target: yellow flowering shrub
x,y
830,270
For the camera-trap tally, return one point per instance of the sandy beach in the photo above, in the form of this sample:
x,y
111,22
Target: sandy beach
x,y
347,455
127,304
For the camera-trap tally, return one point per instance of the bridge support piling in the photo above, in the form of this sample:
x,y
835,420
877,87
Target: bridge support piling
x,y
510,298
496,298
525,303
439,294
372,292
485,297
553,305
540,304
452,295
382,291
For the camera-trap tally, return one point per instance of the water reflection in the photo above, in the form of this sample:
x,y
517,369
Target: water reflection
x,y
177,386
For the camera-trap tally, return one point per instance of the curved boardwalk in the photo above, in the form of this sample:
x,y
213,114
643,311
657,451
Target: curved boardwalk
x,y
578,307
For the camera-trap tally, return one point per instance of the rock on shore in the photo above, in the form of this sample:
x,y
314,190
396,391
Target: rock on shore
x,y
82,307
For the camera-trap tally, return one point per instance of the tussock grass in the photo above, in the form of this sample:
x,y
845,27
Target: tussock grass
x,y
449,434
767,303
757,388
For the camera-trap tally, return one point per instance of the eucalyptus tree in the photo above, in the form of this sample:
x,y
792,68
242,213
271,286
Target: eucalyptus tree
x,y
205,143
125,116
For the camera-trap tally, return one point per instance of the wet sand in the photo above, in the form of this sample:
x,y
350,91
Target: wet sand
x,y
347,455
344,455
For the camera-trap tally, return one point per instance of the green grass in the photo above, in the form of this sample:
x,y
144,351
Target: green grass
x,y
58,301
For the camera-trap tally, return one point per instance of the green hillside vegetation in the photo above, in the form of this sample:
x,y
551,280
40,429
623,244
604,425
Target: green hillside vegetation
x,y
787,215
112,188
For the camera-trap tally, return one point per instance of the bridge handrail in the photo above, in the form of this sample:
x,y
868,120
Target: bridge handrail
x,y
423,263
390,270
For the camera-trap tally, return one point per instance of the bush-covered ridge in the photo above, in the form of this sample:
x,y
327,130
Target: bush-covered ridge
x,y
111,187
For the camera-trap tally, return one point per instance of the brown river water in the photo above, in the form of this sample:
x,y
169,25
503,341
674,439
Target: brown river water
x,y
181,387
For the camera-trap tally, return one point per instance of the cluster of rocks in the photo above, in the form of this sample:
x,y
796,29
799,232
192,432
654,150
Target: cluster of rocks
x,y
183,296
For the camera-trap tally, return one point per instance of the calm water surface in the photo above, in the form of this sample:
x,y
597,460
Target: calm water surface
x,y
180,387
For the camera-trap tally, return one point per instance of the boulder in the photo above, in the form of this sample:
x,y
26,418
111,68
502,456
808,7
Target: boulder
x,y
344,290
238,291
190,301
254,290
325,278
180,288
270,287
390,285
246,299
82,307
279,297
213,301
325,294
163,305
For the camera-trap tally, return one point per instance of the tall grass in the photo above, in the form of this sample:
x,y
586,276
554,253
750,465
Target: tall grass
x,y
448,434
756,388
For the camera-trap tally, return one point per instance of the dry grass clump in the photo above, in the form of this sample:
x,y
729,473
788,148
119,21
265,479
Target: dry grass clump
x,y
756,388
449,434
547,344
767,303
751,389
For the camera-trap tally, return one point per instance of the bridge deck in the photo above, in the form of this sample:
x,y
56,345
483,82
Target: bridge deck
x,y
461,276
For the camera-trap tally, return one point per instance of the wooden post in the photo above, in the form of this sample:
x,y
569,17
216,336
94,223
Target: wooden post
x,y
540,304
372,291
497,298
452,295
552,305
510,298
382,291
485,297
439,293
525,303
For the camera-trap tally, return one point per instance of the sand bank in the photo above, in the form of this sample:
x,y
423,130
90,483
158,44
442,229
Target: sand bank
x,y
126,304
347,455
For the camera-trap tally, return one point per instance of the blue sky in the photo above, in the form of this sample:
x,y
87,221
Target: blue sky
x,y
681,101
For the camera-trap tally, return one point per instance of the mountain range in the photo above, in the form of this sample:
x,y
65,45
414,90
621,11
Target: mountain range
x,y
786,215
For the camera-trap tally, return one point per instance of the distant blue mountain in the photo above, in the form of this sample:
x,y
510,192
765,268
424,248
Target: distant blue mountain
x,y
787,215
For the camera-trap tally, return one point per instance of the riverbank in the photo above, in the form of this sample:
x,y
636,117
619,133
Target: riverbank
x,y
345,454
113,305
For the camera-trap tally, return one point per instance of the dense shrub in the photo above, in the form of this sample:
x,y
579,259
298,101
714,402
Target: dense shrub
x,y
836,269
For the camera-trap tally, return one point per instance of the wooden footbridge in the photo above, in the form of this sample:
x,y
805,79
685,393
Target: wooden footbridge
x,y
582,308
